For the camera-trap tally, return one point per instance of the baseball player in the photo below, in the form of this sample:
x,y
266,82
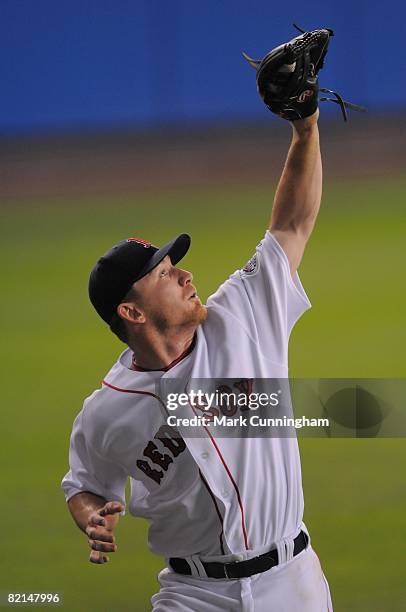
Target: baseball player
x,y
225,513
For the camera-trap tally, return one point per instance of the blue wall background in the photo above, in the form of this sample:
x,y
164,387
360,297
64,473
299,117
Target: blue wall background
x,y
101,64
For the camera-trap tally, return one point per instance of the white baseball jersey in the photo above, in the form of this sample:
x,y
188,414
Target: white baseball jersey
x,y
203,496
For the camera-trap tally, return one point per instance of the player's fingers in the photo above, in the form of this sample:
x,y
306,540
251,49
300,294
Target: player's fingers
x,y
97,534
111,508
96,519
96,557
102,546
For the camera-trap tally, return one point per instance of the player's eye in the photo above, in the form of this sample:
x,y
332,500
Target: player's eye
x,y
163,273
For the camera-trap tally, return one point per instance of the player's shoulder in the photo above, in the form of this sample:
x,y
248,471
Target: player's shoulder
x,y
271,245
116,372
112,393
267,254
269,261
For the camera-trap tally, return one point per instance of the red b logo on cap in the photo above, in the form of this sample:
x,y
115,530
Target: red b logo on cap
x,y
144,243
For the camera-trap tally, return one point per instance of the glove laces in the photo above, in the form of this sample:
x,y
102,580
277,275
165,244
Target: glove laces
x,y
342,103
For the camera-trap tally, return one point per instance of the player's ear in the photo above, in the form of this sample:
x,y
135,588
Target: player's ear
x,y
129,312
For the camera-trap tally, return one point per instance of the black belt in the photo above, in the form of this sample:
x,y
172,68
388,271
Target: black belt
x,y
240,569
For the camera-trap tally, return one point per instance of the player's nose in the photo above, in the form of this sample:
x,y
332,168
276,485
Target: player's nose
x,y
185,277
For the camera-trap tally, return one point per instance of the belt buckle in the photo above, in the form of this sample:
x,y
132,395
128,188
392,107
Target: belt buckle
x,y
229,566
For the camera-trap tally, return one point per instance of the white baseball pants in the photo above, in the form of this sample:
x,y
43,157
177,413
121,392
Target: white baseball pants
x,y
296,586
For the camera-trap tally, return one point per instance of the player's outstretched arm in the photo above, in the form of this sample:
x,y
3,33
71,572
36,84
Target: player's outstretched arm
x,y
298,196
98,519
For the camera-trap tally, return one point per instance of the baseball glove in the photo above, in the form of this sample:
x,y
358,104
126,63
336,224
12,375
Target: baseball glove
x,y
287,77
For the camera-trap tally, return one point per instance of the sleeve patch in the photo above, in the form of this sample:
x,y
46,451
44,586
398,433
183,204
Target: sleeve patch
x,y
252,266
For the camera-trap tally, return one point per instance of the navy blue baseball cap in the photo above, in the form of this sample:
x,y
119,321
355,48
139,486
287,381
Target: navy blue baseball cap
x,y
125,263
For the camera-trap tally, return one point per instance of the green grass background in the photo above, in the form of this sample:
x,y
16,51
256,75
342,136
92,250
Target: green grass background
x,y
55,352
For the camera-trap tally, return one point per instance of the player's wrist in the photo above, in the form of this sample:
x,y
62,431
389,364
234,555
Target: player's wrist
x,y
305,129
307,125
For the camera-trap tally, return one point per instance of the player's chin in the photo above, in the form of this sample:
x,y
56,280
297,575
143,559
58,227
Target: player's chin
x,y
202,313
199,312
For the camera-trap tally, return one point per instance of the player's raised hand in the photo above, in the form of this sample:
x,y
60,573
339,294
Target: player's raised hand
x,y
100,530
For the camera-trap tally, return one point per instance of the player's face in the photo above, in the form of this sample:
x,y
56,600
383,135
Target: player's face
x,y
168,298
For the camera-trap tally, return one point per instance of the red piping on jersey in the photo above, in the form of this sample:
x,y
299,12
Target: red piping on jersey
x,y
235,487
206,484
244,531
135,391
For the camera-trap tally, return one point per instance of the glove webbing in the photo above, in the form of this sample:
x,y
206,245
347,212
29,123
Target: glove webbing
x,y
338,98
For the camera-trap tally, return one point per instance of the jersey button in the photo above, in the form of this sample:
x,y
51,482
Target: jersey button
x,y
205,455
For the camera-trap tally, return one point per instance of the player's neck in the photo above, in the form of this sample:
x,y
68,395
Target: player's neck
x,y
157,352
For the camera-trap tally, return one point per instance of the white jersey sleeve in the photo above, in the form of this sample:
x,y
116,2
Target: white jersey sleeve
x,y
264,299
89,471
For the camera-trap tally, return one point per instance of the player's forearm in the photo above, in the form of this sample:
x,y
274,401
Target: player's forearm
x,y
298,196
82,505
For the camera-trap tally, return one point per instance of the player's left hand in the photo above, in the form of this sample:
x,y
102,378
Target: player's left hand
x,y
287,77
100,530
